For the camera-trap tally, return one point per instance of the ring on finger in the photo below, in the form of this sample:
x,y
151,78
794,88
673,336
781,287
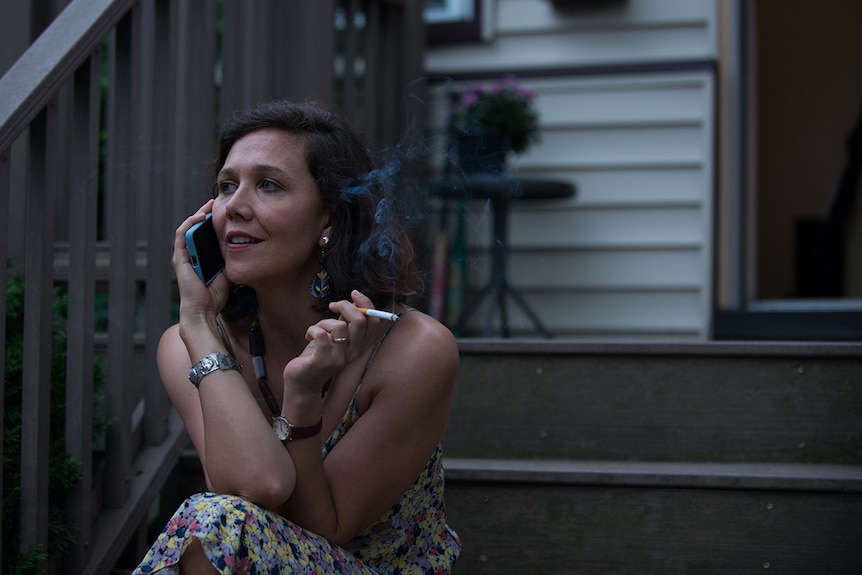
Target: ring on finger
x,y
339,340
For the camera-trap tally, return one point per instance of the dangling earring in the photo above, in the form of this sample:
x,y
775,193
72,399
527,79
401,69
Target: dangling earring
x,y
320,285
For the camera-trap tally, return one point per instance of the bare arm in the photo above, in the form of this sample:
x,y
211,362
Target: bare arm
x,y
411,381
239,453
237,448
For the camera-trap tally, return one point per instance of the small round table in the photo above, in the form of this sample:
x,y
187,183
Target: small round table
x,y
501,191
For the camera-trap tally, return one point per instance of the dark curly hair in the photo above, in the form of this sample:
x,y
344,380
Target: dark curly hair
x,y
370,249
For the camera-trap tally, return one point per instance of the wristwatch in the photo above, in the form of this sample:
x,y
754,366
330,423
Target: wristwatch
x,y
285,430
211,363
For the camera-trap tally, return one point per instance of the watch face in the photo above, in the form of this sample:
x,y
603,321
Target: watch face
x,y
281,428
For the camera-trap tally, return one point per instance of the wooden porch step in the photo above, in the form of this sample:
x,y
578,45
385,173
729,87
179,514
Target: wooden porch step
x,y
686,402
603,517
770,476
590,457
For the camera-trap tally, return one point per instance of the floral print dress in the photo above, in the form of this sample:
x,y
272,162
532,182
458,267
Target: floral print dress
x,y
241,538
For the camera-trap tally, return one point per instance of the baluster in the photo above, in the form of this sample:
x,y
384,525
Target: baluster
x,y
4,253
121,193
36,376
83,190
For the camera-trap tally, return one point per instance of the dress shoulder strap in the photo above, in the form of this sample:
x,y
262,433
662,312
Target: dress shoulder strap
x,y
377,348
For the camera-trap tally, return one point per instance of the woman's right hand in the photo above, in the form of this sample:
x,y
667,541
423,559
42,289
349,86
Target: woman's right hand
x,y
196,299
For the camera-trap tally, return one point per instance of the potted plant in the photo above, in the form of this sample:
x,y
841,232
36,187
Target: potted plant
x,y
489,120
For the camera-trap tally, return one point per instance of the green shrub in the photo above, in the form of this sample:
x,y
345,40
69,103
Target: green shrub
x,y
63,469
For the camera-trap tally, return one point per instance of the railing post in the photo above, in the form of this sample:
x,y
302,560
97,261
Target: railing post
x,y
122,195
4,253
349,48
312,35
36,376
192,101
155,178
83,191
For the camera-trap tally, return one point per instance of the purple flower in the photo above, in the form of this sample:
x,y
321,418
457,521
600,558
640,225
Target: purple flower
x,y
502,108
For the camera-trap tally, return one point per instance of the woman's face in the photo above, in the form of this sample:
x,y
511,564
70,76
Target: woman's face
x,y
268,213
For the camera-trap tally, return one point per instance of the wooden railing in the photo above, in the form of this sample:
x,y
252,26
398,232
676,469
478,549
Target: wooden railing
x,y
106,125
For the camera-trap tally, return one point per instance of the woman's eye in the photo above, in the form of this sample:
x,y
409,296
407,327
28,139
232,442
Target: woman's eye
x,y
269,186
225,187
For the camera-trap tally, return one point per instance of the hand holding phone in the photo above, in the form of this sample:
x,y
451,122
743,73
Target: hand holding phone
x,y
204,251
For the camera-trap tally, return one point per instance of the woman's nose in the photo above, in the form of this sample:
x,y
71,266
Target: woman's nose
x,y
237,203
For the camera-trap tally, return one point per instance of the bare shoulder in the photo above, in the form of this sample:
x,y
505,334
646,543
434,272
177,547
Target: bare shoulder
x,y
173,361
171,348
171,336
427,339
420,349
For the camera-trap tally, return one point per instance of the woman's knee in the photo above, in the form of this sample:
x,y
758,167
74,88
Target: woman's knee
x,y
194,561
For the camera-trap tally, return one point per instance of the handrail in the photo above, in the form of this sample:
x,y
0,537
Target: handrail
x,y
51,60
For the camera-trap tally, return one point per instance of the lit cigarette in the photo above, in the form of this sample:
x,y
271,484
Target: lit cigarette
x,y
379,314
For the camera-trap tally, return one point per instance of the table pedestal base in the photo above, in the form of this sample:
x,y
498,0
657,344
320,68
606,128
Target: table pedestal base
x,y
500,191
499,287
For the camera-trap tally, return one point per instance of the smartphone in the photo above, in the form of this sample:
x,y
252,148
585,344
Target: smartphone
x,y
204,250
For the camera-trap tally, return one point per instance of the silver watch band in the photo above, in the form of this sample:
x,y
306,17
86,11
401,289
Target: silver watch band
x,y
211,363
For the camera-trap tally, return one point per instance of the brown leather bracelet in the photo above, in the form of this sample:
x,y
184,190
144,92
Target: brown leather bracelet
x,y
285,430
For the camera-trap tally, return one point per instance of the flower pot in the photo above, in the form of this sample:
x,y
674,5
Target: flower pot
x,y
482,154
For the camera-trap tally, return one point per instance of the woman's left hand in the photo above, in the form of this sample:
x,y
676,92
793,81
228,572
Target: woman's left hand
x,y
332,344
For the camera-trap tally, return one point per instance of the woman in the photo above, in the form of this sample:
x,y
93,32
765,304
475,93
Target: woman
x,y
318,426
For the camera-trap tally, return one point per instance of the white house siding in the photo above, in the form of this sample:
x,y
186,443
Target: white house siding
x,y
529,34
631,255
